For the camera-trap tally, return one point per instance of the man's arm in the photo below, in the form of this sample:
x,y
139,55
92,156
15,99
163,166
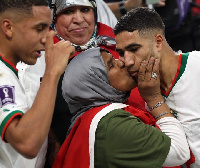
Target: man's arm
x,y
128,5
27,134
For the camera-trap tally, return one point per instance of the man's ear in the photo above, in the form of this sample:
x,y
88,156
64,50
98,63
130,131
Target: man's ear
x,y
7,27
159,40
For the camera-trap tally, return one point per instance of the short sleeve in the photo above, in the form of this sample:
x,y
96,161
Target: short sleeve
x,y
6,117
13,101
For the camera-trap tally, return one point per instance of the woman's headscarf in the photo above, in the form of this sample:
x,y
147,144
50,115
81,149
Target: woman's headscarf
x,y
59,5
86,83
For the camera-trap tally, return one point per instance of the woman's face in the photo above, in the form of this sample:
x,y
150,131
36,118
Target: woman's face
x,y
119,78
76,24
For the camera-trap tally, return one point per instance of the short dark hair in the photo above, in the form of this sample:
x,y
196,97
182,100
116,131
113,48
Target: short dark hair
x,y
141,19
21,5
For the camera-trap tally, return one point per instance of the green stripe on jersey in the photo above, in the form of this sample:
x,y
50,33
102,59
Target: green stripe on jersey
x,y
9,66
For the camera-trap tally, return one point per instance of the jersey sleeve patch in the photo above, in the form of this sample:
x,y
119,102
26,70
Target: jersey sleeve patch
x,y
7,95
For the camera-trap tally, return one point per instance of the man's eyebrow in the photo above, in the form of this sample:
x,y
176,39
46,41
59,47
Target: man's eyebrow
x,y
128,47
42,24
132,45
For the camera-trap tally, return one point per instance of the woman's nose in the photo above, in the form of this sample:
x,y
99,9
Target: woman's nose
x,y
78,17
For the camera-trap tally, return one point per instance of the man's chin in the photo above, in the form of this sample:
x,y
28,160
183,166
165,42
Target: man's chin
x,y
31,62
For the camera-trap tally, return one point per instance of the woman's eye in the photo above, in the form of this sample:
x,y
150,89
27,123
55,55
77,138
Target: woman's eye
x,y
111,66
67,12
85,10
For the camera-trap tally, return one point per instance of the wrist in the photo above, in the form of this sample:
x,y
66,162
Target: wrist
x,y
170,113
50,78
158,104
153,99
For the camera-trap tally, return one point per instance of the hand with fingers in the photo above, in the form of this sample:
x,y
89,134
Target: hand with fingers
x,y
149,81
149,88
57,55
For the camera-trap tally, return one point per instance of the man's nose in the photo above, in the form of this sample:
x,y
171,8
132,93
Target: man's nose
x,y
44,39
128,59
43,35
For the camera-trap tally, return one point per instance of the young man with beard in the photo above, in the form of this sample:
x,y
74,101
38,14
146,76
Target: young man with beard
x,y
139,36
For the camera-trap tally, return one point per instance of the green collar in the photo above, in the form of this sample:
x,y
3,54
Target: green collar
x,y
9,65
180,70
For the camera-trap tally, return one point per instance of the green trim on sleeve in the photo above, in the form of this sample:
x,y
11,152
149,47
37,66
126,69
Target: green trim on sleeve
x,y
7,120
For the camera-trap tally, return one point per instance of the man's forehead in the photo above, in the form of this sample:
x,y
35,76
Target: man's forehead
x,y
38,9
126,38
128,33
42,13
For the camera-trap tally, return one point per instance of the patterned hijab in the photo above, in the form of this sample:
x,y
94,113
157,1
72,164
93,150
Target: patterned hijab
x,y
86,84
59,5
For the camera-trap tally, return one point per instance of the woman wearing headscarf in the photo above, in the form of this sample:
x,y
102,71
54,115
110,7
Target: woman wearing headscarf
x,y
76,21
105,132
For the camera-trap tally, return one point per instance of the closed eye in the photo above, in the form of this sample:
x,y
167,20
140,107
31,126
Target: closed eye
x,y
40,27
120,52
133,47
112,63
133,50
